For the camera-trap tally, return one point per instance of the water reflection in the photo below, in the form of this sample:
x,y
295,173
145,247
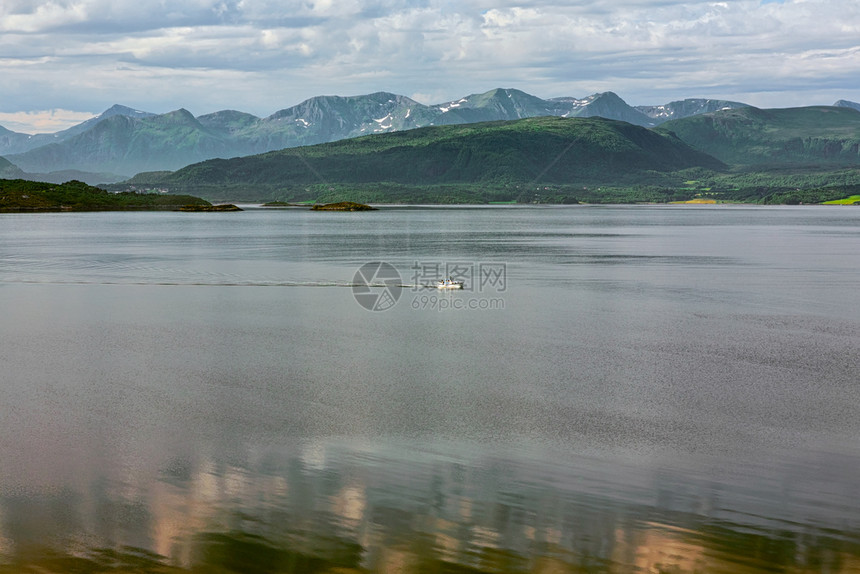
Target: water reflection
x,y
355,508
665,391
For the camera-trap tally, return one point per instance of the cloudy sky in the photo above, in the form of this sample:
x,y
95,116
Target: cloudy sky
x,y
63,61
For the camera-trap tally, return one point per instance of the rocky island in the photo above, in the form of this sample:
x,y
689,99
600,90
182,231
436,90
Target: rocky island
x,y
282,204
342,206
222,207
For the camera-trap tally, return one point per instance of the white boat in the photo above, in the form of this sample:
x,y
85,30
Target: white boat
x,y
449,284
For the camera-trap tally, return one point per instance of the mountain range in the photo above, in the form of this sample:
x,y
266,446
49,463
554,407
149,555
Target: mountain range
x,y
790,155
477,162
122,141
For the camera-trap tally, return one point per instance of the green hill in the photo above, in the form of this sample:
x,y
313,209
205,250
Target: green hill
x,y
18,195
810,137
545,151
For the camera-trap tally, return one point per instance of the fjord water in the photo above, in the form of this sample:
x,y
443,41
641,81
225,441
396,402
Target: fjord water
x,y
618,389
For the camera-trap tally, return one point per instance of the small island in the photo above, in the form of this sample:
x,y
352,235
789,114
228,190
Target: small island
x,y
222,207
281,204
342,206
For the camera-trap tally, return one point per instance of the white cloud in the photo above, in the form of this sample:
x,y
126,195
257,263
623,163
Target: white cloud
x,y
510,17
42,121
264,55
16,17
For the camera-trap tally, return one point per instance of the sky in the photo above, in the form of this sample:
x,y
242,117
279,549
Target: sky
x,y
64,61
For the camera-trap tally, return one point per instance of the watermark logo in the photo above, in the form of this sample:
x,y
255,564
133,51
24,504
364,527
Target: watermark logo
x,y
377,286
493,276
437,286
480,277
440,303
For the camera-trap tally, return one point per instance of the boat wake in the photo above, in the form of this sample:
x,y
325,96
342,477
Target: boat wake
x,y
197,283
111,271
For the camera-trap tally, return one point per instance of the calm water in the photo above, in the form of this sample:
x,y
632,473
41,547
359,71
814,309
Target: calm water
x,y
618,389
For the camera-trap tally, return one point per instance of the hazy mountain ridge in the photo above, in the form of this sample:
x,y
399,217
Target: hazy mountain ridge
x,y
847,104
8,170
15,143
145,141
123,144
6,166
814,136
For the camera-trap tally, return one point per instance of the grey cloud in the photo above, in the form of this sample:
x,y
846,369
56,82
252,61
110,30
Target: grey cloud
x,y
269,54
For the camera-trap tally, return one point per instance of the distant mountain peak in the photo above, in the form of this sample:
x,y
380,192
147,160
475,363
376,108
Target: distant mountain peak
x,y
112,112
686,108
230,123
180,116
847,104
120,110
604,104
606,95
507,92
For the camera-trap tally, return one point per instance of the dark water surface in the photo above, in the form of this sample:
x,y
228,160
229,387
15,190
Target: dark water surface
x,y
618,389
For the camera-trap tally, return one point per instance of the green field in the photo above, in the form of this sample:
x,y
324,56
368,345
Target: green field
x,y
847,201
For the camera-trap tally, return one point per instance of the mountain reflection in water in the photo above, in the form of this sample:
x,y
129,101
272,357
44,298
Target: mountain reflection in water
x,y
338,507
